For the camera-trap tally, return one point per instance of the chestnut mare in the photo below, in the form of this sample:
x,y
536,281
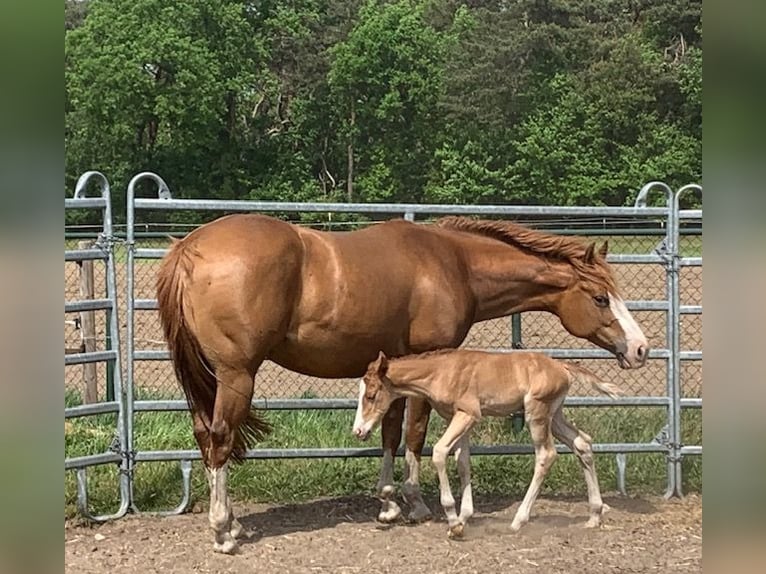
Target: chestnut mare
x,y
246,288
463,386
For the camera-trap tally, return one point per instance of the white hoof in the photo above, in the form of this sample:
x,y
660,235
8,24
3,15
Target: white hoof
x,y
226,547
593,522
517,524
390,512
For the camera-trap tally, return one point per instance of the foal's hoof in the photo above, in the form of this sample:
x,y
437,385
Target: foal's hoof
x,y
419,515
593,522
390,513
225,547
456,531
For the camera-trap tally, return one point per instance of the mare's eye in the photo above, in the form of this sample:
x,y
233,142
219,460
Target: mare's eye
x,y
601,300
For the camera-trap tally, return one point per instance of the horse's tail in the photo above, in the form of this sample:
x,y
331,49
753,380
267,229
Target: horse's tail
x,y
193,371
580,374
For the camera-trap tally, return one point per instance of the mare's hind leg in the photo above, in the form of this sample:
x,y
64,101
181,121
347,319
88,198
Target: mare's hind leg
x,y
580,444
391,431
232,405
418,411
539,422
202,435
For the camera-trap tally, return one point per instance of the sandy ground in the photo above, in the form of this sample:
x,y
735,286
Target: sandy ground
x,y
645,534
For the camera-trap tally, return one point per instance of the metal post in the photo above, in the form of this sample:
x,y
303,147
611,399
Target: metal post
x,y
163,193
671,329
675,346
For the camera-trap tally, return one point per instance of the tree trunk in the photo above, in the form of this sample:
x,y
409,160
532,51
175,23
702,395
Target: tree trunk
x,y
350,149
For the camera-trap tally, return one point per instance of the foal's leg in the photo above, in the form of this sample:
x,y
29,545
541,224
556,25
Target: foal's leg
x,y
232,405
463,458
391,431
460,424
418,412
539,423
580,444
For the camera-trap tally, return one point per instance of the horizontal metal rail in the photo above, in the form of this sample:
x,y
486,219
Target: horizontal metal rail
x,y
162,355
94,409
95,357
84,202
291,453
88,305
691,403
692,449
85,255
690,261
151,305
91,460
386,208
350,404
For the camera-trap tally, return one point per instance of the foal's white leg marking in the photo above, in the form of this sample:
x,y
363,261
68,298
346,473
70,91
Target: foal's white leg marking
x,y
634,336
580,444
389,510
411,488
220,511
460,424
463,458
545,454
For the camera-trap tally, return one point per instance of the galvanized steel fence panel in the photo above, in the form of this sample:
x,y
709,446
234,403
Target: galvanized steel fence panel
x,y
651,269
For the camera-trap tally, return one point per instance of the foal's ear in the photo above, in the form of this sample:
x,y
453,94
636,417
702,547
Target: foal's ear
x,y
590,253
382,364
603,249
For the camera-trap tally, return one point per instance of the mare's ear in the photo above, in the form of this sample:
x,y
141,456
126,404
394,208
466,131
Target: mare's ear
x,y
603,249
381,365
590,253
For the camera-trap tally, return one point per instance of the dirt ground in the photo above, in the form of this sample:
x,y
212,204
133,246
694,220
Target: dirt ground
x,y
645,534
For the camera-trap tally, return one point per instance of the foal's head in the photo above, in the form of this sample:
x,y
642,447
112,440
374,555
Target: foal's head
x,y
375,396
592,308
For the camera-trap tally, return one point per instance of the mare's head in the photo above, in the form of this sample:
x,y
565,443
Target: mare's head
x,y
375,396
591,308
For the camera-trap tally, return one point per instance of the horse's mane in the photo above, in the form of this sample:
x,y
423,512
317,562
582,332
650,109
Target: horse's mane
x,y
559,247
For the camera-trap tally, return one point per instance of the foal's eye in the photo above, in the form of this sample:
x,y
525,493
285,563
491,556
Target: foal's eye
x,y
601,300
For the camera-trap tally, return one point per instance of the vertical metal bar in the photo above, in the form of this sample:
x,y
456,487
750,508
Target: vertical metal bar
x,y
516,342
409,216
163,193
675,347
670,330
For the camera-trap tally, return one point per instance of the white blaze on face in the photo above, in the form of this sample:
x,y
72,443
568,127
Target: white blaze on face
x,y
358,420
634,336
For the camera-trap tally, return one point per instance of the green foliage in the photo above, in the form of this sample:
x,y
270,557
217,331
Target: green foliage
x,y
386,100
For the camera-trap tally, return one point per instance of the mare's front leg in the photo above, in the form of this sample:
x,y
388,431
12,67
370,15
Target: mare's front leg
x,y
391,431
459,426
418,411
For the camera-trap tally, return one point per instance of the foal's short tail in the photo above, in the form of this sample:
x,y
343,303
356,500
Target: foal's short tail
x,y
582,375
193,370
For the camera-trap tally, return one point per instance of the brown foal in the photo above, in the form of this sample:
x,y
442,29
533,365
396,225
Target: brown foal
x,y
463,386
248,288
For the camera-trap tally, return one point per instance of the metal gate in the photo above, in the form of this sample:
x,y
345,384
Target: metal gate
x,y
114,399
674,393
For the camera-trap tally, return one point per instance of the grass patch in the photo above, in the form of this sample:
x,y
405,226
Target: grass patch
x,y
158,485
